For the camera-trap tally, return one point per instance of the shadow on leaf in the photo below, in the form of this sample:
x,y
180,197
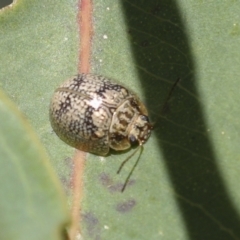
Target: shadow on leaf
x,y
162,55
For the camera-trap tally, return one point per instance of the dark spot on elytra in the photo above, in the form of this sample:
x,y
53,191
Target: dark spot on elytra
x,y
134,104
126,206
73,127
64,105
108,86
78,80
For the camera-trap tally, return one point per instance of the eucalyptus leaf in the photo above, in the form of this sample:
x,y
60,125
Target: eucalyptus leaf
x,y
32,203
186,183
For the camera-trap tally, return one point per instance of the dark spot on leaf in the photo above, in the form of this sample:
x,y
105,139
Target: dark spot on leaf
x,y
66,184
66,176
69,162
145,43
107,182
90,219
117,187
105,179
92,225
156,10
126,206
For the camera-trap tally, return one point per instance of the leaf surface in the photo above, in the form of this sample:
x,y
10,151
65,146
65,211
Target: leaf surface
x,y
186,184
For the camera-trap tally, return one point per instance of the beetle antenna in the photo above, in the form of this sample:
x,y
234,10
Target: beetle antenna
x,y
123,163
169,95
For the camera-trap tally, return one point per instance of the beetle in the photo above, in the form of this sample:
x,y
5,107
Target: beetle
x,y
94,114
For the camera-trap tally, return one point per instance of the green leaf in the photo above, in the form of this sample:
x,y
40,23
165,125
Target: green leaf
x,y
32,203
186,184
39,50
